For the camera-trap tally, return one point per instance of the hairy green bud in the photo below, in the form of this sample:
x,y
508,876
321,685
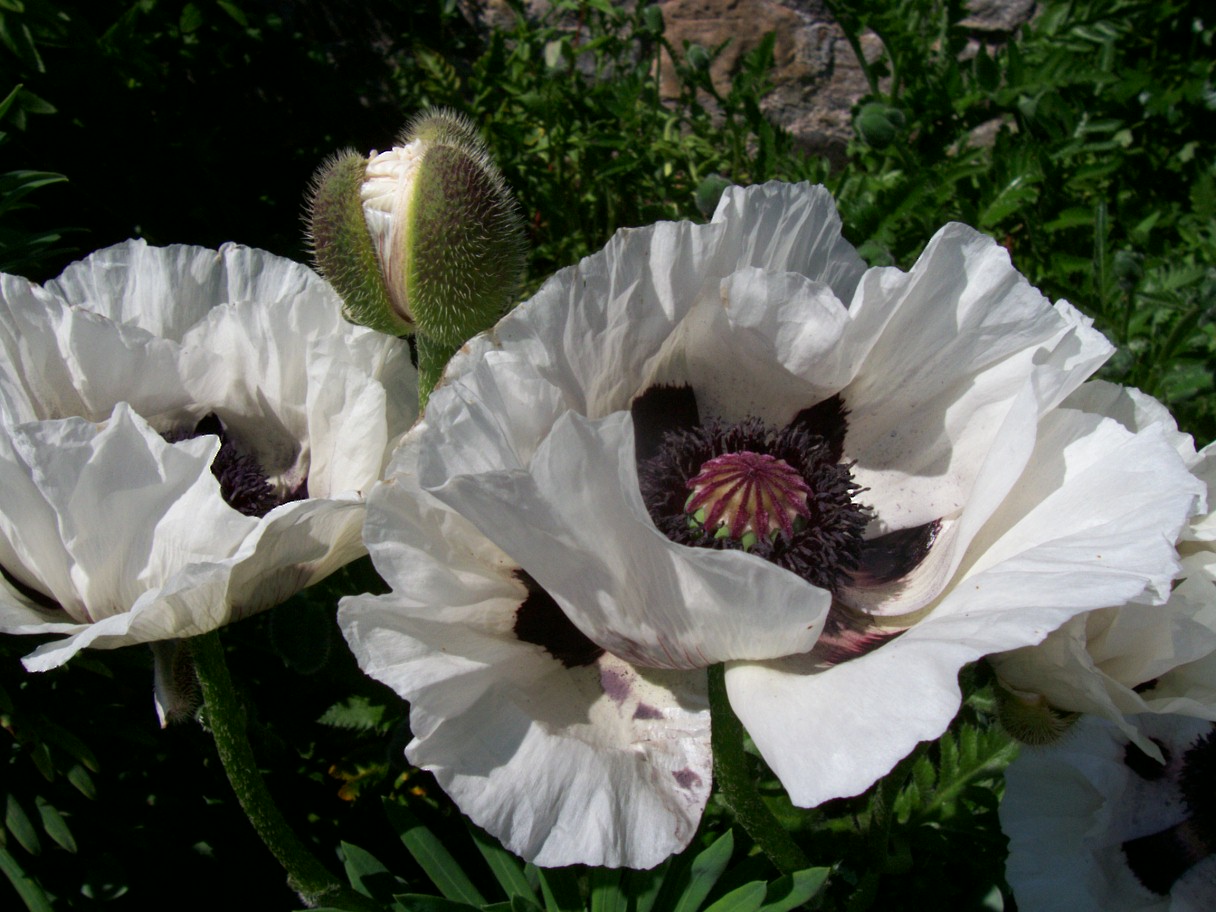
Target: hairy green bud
x,y
422,238
450,238
1030,719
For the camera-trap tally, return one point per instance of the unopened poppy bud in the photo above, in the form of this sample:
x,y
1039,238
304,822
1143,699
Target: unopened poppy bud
x,y
447,239
1030,719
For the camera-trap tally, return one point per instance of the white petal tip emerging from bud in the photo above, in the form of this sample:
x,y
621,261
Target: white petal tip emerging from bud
x,y
450,239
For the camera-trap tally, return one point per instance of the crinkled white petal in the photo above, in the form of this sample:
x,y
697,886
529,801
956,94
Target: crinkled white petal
x,y
593,546
129,508
1097,663
953,344
68,361
603,330
1112,661
130,534
768,346
1090,523
1068,809
602,764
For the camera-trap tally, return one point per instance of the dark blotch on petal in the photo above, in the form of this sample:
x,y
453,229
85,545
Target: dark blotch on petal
x,y
1159,859
1142,764
645,711
41,599
540,620
1145,686
829,420
846,636
686,778
656,412
1198,784
893,556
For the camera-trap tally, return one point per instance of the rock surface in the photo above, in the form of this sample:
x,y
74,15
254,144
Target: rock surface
x,y
816,77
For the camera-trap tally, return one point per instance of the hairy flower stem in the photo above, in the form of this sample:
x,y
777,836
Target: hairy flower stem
x,y
737,786
433,357
226,719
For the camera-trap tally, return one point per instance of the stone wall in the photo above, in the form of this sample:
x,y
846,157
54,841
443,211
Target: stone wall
x,y
816,77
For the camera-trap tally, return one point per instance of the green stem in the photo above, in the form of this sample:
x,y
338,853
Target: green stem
x,y
738,788
226,719
433,357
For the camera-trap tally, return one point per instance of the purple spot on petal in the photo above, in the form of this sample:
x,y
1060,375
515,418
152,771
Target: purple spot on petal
x,y
686,778
646,711
616,684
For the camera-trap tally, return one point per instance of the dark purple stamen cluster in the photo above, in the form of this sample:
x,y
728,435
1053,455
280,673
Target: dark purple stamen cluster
x,y
822,546
243,482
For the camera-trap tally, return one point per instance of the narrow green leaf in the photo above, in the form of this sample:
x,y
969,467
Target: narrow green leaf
x,y
443,870
948,765
234,11
9,99
54,824
518,904
706,869
641,888
793,890
746,898
416,902
364,871
606,892
79,777
1016,193
18,822
560,889
27,888
505,867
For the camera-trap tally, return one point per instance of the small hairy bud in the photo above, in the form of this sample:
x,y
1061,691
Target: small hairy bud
x,y
1030,719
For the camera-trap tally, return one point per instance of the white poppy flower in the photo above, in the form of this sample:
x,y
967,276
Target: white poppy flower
x,y
1095,825
1142,656
733,443
187,437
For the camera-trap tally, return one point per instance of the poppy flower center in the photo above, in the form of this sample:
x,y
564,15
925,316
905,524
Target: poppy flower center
x,y
747,496
244,484
780,493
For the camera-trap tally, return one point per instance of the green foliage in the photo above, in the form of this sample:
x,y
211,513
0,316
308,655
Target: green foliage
x,y
1099,179
702,878
1085,145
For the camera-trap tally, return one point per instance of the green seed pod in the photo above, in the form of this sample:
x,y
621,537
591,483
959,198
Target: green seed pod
x,y
879,124
1030,719
450,239
343,248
